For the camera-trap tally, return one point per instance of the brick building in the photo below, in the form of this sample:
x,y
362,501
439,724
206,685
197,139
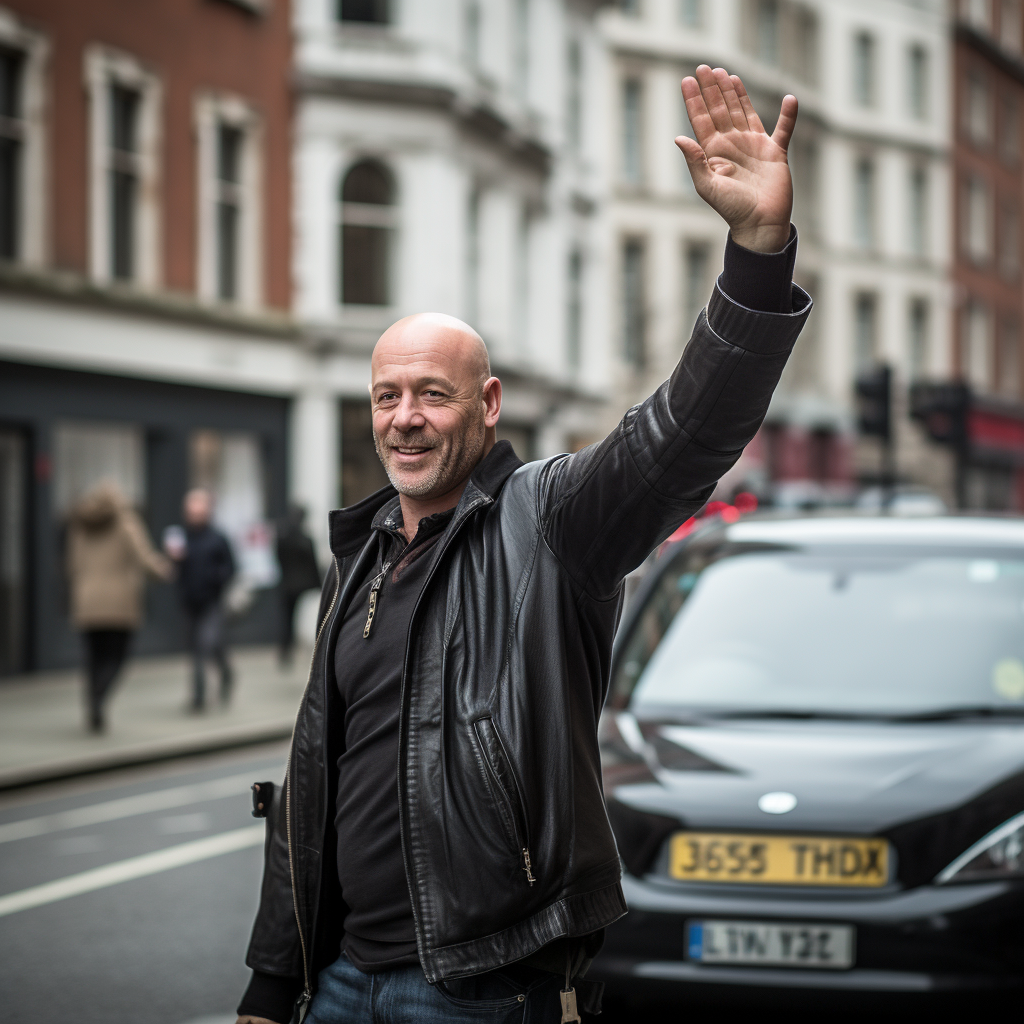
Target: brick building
x,y
145,268
987,200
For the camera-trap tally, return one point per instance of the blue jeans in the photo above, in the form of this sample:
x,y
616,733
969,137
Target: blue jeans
x,y
512,995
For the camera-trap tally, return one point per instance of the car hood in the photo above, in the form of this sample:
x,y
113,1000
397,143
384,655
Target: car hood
x,y
859,777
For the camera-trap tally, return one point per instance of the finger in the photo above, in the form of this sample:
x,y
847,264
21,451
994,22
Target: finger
x,y
697,111
786,123
753,121
713,99
732,100
696,163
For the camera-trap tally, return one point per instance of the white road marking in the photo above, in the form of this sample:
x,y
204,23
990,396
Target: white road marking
x,y
125,807
133,867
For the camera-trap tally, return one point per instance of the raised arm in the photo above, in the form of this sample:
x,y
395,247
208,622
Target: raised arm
x,y
604,508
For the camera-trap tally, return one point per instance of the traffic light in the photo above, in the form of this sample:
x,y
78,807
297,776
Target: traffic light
x,y
943,409
874,402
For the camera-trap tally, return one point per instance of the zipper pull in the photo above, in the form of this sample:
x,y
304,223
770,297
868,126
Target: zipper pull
x,y
304,1000
374,590
527,866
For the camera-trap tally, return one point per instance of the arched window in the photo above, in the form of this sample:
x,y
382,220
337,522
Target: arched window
x,y
367,227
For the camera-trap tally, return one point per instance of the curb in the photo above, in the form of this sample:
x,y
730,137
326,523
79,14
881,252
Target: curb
x,y
148,753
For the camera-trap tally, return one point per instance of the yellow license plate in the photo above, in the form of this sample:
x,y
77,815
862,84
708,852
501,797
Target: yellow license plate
x,y
778,860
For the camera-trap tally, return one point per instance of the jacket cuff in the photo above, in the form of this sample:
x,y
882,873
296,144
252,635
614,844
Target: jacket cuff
x,y
756,331
270,996
761,281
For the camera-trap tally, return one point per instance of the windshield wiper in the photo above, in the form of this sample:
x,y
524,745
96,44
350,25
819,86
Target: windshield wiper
x,y
796,714
960,711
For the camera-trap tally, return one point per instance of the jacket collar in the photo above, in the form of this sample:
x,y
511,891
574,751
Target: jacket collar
x,y
349,527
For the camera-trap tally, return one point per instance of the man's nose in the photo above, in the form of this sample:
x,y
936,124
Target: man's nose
x,y
408,415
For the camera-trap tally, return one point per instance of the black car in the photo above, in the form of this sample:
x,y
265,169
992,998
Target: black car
x,y
814,763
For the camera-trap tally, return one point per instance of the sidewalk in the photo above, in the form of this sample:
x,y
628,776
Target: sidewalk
x,y
43,735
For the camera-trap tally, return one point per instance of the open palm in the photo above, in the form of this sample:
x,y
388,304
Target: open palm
x,y
738,169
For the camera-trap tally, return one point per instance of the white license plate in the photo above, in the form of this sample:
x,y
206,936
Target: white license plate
x,y
773,945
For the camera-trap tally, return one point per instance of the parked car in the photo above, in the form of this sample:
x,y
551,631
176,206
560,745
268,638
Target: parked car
x,y
813,751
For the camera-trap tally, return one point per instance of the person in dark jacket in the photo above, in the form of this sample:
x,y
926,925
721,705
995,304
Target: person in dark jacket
x,y
296,558
205,567
441,849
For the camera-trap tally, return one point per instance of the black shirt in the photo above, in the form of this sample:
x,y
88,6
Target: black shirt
x,y
379,927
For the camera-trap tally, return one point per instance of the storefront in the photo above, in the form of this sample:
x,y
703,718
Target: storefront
x,y
62,431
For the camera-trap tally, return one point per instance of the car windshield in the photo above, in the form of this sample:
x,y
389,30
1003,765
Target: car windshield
x,y
790,632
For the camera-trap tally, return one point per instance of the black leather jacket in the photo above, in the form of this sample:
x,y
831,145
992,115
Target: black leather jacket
x,y
506,840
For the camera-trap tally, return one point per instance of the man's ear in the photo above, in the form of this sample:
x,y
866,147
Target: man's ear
x,y
492,401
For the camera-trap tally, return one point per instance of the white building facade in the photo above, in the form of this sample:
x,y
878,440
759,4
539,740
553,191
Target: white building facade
x,y
870,159
448,157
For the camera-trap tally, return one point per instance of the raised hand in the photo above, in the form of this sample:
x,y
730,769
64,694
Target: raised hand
x,y
738,169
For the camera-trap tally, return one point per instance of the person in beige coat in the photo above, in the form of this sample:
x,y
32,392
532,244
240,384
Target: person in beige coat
x,y
109,553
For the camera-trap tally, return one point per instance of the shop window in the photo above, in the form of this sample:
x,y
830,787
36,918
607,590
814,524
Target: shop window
x,y
87,453
370,12
13,552
367,229
634,303
124,102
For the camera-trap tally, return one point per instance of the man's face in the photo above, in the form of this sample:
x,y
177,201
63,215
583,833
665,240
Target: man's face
x,y
198,508
430,417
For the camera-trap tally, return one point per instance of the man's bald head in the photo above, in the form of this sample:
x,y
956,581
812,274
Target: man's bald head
x,y
431,334
435,404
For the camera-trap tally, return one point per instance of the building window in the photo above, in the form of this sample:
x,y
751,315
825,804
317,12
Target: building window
x,y
521,49
917,82
11,142
804,59
370,12
87,452
766,32
977,220
125,121
367,227
691,13
1011,31
976,358
1009,240
918,210
865,331
574,311
473,258
632,131
918,330
1009,357
696,264
977,109
863,69
804,163
864,203
471,37
230,248
1009,129
521,282
124,180
631,8
634,312
574,95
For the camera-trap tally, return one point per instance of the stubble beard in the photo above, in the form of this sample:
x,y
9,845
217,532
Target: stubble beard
x,y
458,454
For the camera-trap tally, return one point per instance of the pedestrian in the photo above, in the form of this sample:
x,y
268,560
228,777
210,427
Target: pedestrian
x,y
300,573
442,851
108,555
205,567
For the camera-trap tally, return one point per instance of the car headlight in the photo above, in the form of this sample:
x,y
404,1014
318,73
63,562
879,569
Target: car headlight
x,y
1000,854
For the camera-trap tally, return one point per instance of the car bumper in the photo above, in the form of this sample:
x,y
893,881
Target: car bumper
x,y
925,941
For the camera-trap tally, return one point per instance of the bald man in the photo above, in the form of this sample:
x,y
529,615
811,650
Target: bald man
x,y
441,850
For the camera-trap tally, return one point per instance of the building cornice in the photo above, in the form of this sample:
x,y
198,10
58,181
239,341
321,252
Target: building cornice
x,y
76,289
478,119
990,50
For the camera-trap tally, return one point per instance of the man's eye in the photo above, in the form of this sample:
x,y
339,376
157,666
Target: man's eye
x,y
436,394
388,396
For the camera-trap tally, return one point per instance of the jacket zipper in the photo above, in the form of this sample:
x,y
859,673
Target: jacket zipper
x,y
307,989
374,591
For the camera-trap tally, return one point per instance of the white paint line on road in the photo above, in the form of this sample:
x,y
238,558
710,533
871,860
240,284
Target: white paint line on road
x,y
133,867
126,807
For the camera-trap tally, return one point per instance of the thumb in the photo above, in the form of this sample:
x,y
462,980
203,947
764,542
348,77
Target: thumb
x,y
696,162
